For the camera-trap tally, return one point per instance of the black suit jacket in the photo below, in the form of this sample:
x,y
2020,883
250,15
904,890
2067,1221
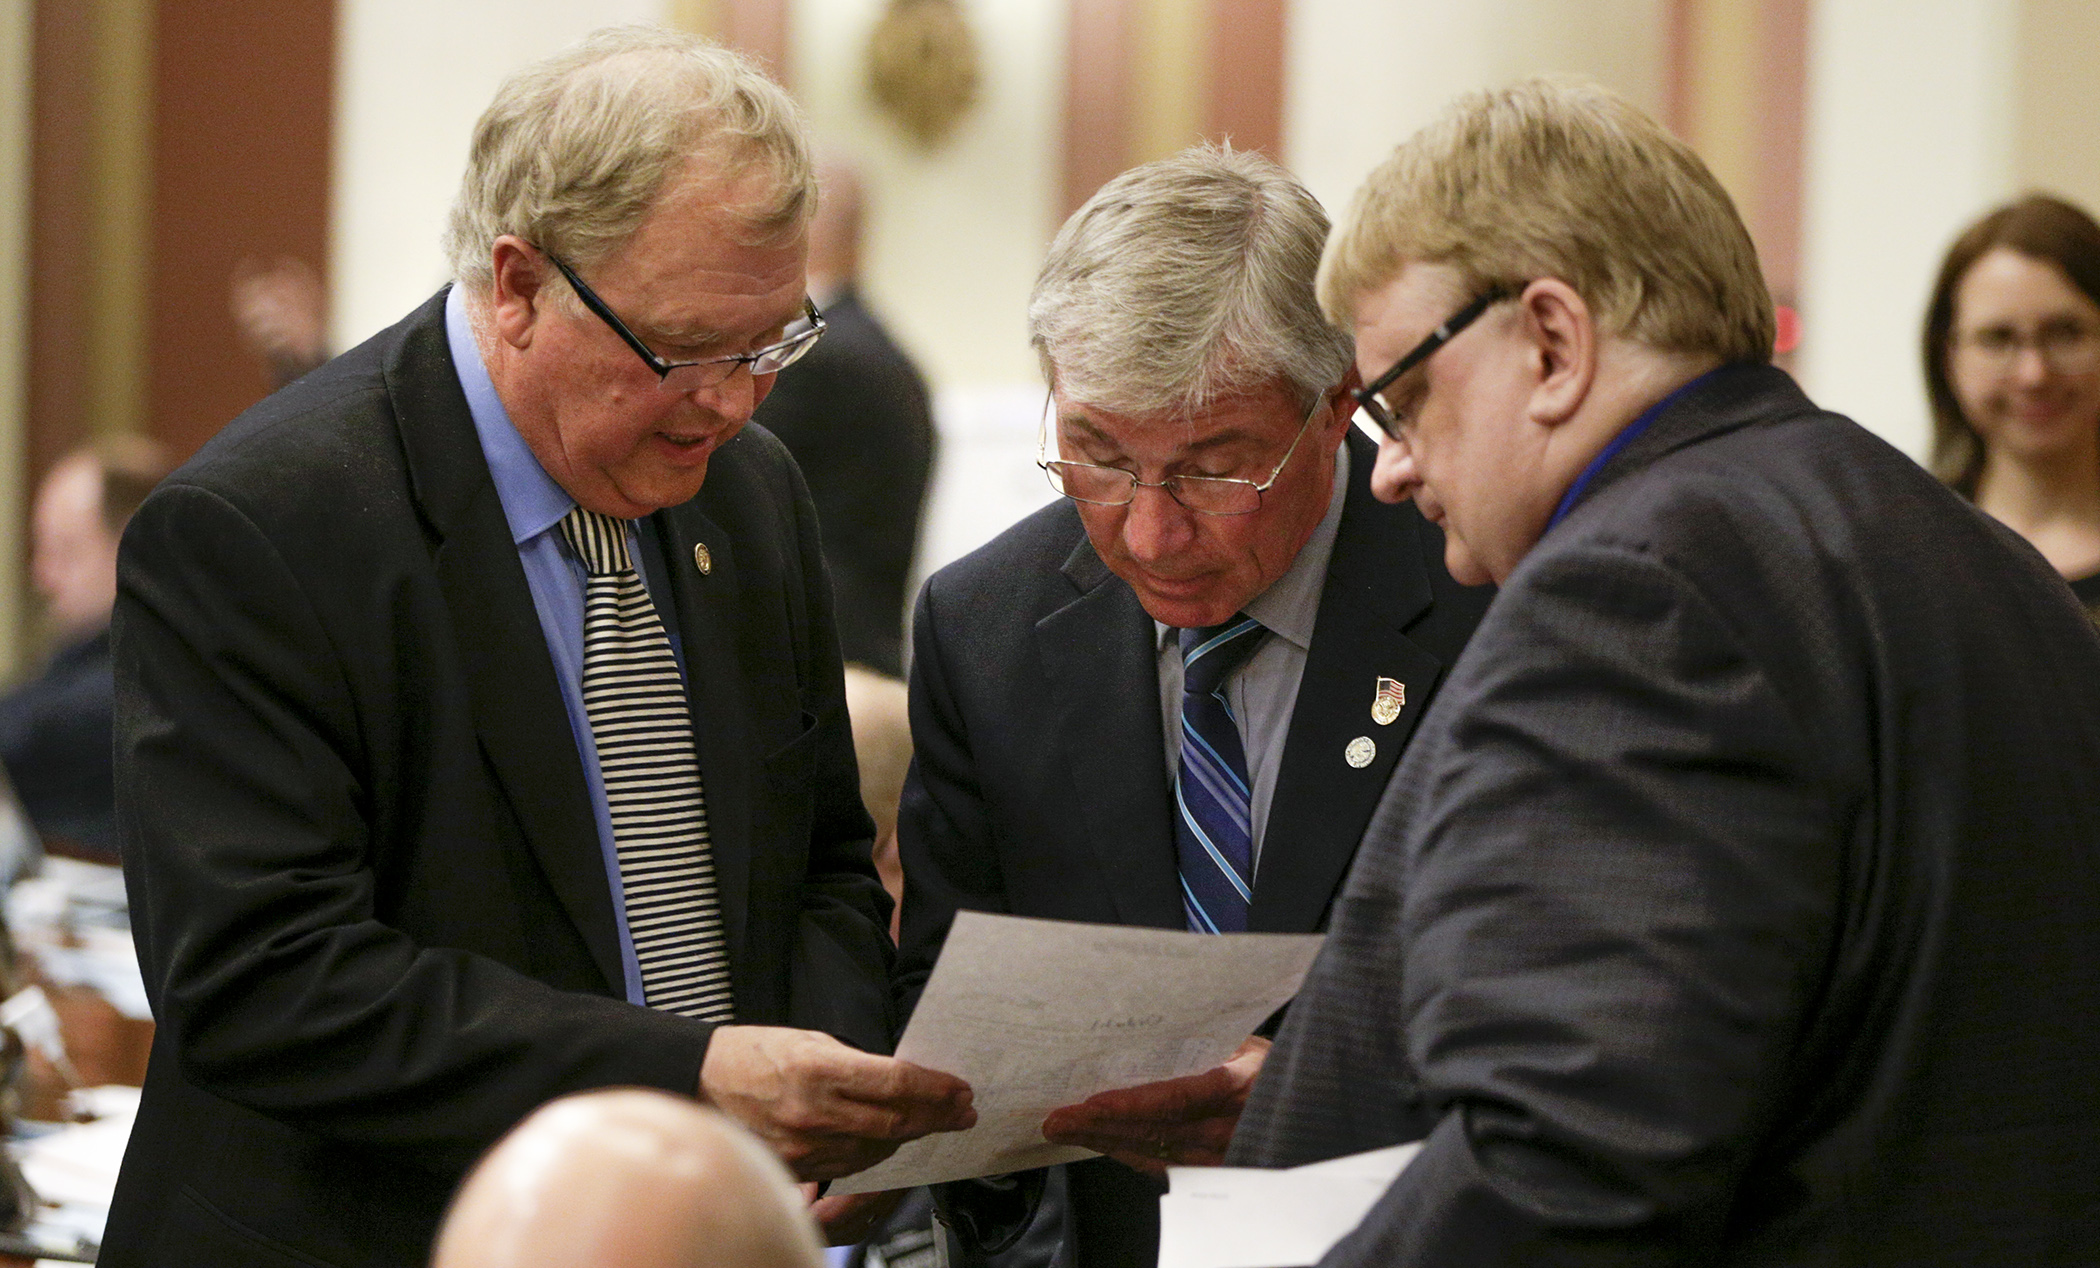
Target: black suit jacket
x,y
1738,901
854,413
1039,783
367,887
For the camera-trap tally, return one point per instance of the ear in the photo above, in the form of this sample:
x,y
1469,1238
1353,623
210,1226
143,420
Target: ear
x,y
1564,346
1341,399
515,305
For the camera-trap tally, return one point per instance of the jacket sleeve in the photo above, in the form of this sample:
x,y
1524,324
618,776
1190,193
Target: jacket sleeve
x,y
1617,902
842,958
249,848
944,830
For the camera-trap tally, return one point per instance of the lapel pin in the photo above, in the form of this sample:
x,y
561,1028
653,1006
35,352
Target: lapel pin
x,y
1360,752
1390,700
701,559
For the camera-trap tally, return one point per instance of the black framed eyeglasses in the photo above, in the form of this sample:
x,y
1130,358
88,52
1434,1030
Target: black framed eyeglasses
x,y
1375,405
692,376
1205,495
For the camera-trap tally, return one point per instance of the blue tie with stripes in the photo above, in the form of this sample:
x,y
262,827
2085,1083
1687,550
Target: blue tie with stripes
x,y
1213,835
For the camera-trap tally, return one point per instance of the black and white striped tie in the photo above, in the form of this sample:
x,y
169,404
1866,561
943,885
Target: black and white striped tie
x,y
636,701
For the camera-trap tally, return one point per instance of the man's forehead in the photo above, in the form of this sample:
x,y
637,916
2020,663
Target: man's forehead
x,y
1256,415
1408,305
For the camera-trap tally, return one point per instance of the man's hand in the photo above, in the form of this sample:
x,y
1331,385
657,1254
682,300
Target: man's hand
x,y
1184,1122
828,1110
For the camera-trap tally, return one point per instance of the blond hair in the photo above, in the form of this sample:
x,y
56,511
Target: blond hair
x,y
575,151
1561,178
1186,280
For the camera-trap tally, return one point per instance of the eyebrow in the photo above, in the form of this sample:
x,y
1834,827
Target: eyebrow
x,y
1233,436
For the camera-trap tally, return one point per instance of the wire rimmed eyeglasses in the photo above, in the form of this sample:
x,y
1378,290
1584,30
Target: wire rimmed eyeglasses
x,y
692,376
1205,495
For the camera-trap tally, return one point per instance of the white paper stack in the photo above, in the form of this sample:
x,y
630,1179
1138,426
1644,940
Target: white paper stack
x,y
1248,1217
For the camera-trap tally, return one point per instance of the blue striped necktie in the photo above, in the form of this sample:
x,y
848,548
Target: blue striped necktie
x,y
1214,835
635,698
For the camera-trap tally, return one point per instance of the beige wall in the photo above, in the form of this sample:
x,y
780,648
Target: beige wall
x,y
954,234
1362,77
2056,123
412,76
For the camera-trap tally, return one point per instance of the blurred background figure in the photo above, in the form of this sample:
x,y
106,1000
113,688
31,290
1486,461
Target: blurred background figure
x,y
882,746
855,414
2012,364
55,736
281,313
636,1178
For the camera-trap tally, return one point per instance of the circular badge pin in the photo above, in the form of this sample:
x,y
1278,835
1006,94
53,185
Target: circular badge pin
x,y
1360,752
701,559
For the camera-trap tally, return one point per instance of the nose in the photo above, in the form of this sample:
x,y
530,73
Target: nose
x,y
735,398
1393,476
1155,526
2029,366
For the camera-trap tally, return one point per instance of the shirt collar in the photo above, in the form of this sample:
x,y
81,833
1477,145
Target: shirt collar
x,y
1291,603
1627,435
532,501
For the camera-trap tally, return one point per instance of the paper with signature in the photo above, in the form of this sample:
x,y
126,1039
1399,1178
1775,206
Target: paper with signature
x,y
1035,1014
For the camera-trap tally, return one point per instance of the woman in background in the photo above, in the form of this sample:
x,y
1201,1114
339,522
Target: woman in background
x,y
2012,362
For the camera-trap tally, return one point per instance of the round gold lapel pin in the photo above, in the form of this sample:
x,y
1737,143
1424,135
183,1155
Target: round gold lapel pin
x,y
701,559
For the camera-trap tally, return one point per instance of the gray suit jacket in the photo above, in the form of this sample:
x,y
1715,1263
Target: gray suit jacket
x,y
1739,901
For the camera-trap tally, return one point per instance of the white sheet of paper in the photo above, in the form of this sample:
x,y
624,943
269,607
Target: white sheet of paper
x,y
1247,1217
1036,1014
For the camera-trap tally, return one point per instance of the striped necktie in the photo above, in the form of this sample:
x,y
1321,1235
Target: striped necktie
x,y
1214,834
635,697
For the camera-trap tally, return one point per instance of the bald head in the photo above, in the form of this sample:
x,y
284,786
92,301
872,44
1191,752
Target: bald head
x,y
634,1178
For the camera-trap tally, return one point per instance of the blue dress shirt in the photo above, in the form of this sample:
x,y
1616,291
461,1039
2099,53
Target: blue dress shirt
x,y
534,505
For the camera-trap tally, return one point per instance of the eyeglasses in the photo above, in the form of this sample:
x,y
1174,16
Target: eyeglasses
x,y
1375,405
2067,346
1205,495
691,376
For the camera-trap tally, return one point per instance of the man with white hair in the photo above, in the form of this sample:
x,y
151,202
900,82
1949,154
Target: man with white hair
x,y
632,1178
1737,902
1172,697
480,729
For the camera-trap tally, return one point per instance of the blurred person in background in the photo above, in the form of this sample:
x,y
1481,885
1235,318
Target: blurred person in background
x,y
2012,364
55,729
855,415
628,1178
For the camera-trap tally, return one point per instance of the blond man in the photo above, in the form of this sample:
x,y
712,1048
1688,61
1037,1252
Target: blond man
x,y
1731,902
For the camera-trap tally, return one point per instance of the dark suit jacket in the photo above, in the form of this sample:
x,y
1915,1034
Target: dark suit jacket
x,y
367,887
1039,784
55,742
855,415
1739,901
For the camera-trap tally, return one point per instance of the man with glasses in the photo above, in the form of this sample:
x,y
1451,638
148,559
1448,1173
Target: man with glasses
x,y
1172,697
1736,900
481,733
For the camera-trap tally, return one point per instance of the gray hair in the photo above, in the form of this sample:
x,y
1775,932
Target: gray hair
x,y
1186,280
575,150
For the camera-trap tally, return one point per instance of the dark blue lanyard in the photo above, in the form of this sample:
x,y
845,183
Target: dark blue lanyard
x,y
1624,438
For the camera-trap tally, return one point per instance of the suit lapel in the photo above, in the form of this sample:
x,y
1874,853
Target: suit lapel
x,y
1377,585
1098,656
518,711
715,689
